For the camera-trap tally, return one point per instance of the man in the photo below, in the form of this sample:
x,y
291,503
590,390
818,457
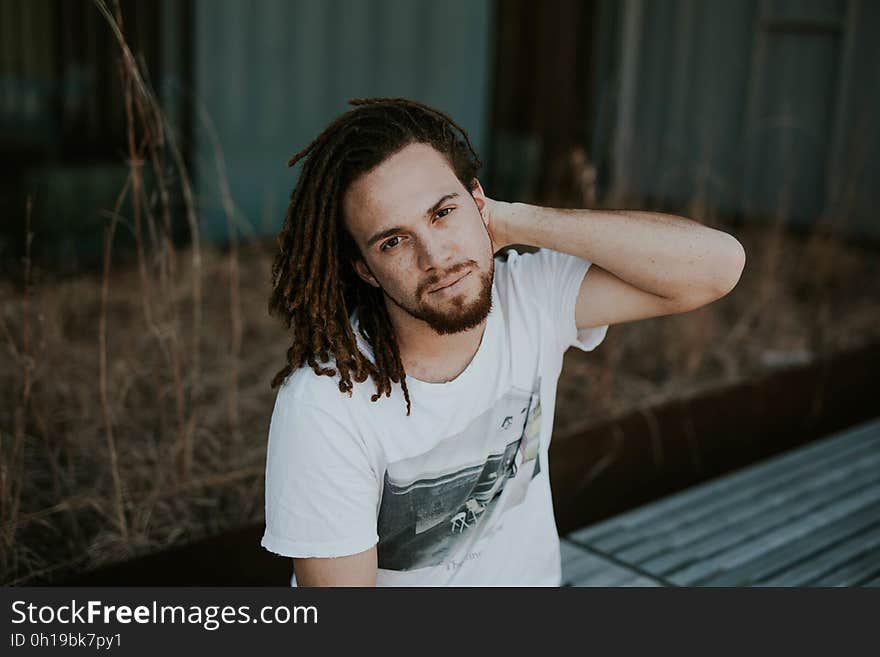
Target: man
x,y
386,270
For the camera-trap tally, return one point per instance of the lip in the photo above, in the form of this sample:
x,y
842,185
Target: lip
x,y
451,286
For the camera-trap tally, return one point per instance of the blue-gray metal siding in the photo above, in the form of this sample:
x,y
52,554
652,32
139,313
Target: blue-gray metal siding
x,y
766,107
272,73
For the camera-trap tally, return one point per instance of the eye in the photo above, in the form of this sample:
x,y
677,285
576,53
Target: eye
x,y
447,210
385,246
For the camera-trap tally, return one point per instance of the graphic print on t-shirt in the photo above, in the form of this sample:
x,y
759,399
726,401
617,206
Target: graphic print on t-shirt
x,y
431,510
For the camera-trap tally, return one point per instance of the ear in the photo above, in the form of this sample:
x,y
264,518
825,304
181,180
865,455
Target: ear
x,y
364,272
480,199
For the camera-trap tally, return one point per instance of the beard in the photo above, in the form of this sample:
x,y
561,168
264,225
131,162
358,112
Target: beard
x,y
459,314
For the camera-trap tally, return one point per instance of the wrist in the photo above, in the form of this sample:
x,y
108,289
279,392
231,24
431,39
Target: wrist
x,y
515,217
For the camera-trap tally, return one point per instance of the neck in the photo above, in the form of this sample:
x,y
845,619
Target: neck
x,y
430,357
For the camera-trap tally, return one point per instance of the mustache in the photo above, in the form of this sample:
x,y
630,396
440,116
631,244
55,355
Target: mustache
x,y
452,273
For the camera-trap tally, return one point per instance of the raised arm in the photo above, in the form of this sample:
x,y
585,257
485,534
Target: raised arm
x,y
645,264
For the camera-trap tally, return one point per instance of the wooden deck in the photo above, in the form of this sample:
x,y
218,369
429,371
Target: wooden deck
x,y
809,517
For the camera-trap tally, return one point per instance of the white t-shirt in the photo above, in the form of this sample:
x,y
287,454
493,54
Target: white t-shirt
x,y
458,493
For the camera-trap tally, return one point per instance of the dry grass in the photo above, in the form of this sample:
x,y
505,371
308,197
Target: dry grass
x,y
816,299
59,463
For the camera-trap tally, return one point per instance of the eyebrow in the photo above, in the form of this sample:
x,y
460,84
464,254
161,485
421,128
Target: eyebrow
x,y
388,232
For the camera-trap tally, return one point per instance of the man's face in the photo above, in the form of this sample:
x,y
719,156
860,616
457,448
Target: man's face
x,y
417,228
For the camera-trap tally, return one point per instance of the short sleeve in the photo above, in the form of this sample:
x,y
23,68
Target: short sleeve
x,y
322,495
554,278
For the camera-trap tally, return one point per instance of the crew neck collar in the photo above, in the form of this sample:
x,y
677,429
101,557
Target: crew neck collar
x,y
467,375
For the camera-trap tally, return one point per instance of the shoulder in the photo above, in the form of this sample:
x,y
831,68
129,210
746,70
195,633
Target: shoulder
x,y
307,391
313,421
540,263
541,275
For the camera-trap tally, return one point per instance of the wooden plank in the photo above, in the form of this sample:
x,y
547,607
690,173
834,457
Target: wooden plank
x,y
583,568
855,573
807,517
610,574
798,543
821,449
736,517
587,569
764,541
797,551
641,581
573,559
864,437
789,483
734,533
578,563
831,560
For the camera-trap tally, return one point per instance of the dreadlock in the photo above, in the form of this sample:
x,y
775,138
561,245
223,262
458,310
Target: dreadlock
x,y
315,288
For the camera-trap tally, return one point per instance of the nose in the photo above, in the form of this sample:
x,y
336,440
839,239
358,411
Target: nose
x,y
435,254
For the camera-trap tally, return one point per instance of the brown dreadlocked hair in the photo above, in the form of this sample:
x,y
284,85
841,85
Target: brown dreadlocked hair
x,y
315,288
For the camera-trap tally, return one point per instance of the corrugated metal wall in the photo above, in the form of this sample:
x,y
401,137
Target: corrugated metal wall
x,y
62,124
767,107
272,73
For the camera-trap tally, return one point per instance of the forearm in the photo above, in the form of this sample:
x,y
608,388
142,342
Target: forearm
x,y
664,254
